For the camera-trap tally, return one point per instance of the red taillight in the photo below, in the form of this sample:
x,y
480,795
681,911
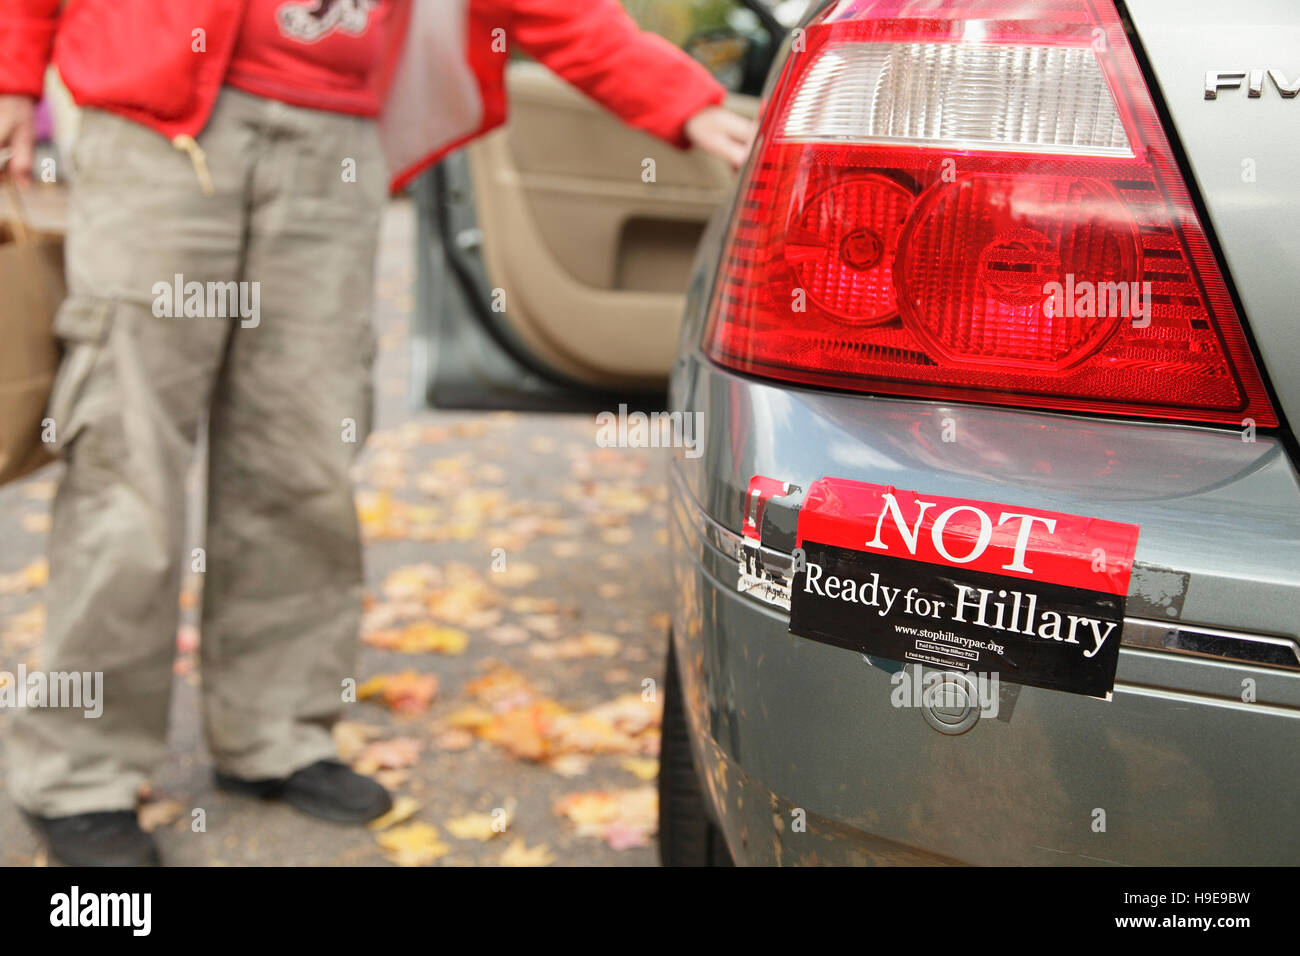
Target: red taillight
x,y
976,201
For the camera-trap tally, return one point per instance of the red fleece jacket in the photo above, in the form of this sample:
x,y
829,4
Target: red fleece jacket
x,y
162,63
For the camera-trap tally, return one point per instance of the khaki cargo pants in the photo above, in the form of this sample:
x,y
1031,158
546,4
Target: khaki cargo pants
x,y
286,397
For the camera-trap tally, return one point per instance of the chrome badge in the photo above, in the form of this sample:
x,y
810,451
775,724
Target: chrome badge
x,y
1216,80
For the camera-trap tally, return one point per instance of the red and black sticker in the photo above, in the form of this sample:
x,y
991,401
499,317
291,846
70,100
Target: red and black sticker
x,y
1034,596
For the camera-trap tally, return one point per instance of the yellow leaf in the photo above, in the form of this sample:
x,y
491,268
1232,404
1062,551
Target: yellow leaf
x,y
518,854
621,817
617,536
416,844
374,508
470,718
409,692
516,574
403,809
479,826
590,808
412,581
31,578
570,765
625,500
424,637
644,768
586,644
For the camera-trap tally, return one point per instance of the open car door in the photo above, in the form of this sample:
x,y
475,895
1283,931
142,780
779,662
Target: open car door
x,y
555,252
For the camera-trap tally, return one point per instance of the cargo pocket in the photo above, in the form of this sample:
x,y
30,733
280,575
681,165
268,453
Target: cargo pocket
x,y
81,326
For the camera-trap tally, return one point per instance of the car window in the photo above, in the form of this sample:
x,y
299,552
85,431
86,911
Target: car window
x,y
677,21
729,37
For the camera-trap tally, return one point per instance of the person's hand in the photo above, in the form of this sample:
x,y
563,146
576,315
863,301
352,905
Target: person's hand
x,y
722,133
18,135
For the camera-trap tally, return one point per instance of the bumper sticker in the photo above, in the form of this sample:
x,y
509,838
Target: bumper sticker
x,y
1034,596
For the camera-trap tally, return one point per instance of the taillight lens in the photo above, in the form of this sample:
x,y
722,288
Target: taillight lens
x,y
975,200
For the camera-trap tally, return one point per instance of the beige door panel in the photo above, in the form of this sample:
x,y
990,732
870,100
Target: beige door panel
x,y
593,261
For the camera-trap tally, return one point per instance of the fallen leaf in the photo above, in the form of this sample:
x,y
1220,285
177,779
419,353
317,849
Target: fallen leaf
x,y
570,765
617,499
623,836
617,536
509,634
534,605
409,692
589,809
416,844
566,549
379,515
412,581
465,597
518,854
622,818
586,644
521,731
469,717
516,575
499,686
455,739
547,625
31,578
424,637
533,727
481,826
644,768
403,809
388,755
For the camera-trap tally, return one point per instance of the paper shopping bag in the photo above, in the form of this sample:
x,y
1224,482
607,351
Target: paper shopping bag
x,y
31,288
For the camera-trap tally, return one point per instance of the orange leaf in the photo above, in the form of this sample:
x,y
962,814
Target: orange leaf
x,y
409,692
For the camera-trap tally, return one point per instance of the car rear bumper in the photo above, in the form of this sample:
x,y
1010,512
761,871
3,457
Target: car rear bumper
x,y
802,750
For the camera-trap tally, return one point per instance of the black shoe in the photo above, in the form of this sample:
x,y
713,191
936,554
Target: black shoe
x,y
326,789
109,838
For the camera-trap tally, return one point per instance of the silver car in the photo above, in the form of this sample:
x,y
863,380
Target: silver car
x,y
1032,264
1023,262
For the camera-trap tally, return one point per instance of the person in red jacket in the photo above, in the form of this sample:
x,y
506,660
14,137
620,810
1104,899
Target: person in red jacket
x,y
232,163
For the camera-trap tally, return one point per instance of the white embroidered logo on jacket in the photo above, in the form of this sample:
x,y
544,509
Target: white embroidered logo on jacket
x,y
313,21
